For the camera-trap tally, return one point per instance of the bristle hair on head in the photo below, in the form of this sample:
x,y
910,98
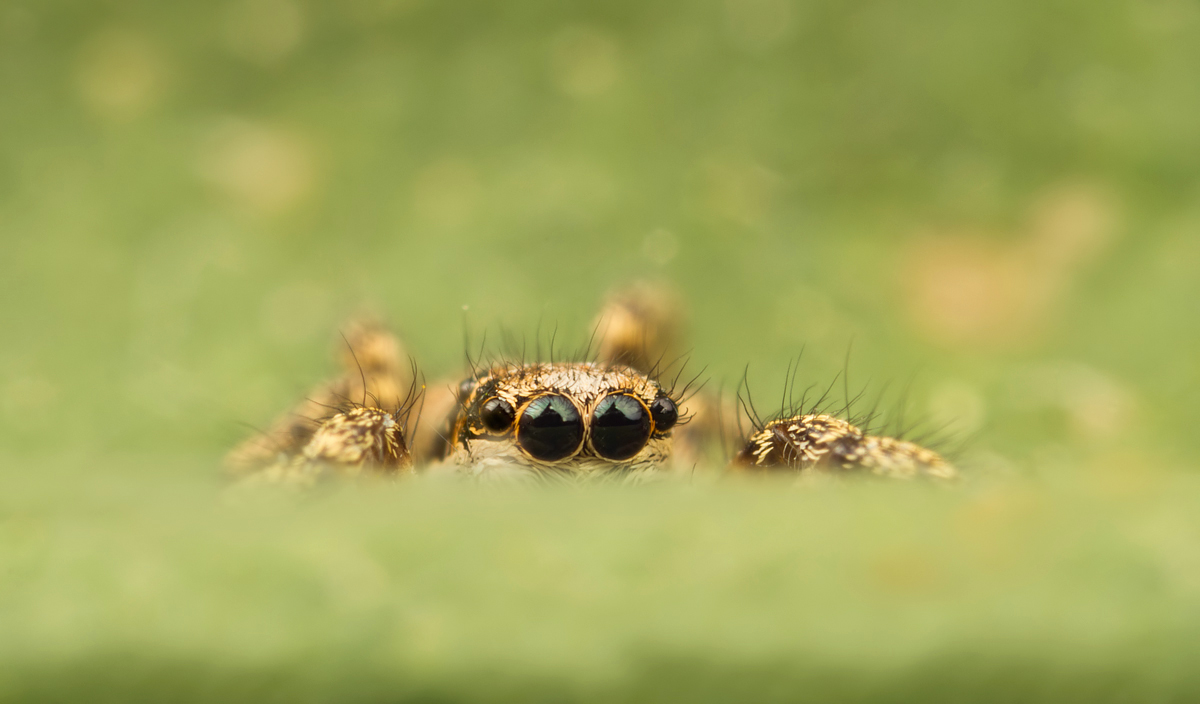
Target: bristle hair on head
x,y
514,350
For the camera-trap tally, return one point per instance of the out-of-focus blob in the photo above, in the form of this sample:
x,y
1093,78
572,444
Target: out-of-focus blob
x,y
585,62
121,74
268,169
968,287
264,32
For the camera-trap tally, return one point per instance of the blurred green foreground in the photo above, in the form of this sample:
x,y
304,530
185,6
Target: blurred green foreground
x,y
996,203
679,592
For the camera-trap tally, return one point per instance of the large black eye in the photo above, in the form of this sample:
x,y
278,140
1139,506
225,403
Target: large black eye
x,y
665,413
620,427
497,415
550,428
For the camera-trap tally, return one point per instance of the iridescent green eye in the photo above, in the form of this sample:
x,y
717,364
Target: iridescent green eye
x,y
620,427
550,428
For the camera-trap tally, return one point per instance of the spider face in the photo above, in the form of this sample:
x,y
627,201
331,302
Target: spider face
x,y
565,418
558,420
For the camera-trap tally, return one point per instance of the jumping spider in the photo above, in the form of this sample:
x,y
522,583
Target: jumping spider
x,y
613,416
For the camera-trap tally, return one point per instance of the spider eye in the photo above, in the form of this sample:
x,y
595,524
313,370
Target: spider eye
x,y
620,427
550,428
665,413
497,415
465,389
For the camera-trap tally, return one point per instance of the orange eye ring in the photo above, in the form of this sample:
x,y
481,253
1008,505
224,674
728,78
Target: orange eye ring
x,y
621,427
550,428
497,415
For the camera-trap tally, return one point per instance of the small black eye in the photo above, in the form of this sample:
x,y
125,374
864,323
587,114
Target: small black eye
x,y
665,413
620,427
497,415
465,389
550,428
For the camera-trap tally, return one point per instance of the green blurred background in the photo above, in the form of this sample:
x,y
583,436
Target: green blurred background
x,y
1000,197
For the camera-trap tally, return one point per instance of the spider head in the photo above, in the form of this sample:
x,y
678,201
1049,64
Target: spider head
x,y
567,419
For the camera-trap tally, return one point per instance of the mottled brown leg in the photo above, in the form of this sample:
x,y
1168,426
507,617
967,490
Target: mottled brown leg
x,y
824,443
640,326
349,421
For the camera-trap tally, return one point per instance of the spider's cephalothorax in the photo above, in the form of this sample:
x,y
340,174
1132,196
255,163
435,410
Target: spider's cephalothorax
x,y
563,419
823,442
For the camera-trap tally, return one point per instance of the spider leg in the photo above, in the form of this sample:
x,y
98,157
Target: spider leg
x,y
354,421
639,326
825,443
